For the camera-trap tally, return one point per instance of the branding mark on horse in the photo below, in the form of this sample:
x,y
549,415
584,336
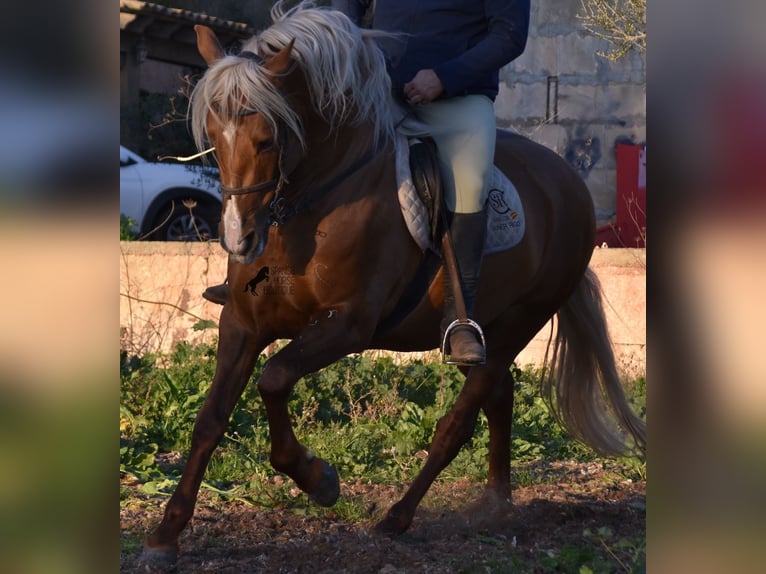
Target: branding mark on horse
x,y
281,282
263,275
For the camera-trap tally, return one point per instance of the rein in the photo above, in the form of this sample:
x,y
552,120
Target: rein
x,y
281,209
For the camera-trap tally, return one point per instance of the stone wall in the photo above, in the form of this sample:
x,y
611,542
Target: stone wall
x,y
622,274
562,94
161,286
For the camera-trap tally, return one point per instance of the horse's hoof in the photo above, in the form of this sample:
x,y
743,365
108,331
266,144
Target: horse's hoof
x,y
495,497
392,525
159,559
328,490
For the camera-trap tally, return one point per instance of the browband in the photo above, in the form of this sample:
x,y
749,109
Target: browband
x,y
251,56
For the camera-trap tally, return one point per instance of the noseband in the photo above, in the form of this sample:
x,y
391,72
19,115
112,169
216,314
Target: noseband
x,y
275,184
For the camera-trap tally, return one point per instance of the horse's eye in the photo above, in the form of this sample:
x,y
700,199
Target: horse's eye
x,y
265,145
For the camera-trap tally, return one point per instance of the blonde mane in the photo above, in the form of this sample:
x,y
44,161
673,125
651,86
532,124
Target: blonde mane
x,y
343,66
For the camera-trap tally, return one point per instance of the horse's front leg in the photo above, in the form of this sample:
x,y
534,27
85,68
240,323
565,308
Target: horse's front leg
x,y
238,351
328,337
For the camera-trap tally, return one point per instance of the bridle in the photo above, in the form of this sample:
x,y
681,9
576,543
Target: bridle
x,y
275,184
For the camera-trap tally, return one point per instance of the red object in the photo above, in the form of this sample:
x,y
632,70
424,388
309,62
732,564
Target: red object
x,y
629,228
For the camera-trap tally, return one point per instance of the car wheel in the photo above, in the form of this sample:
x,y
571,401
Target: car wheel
x,y
186,221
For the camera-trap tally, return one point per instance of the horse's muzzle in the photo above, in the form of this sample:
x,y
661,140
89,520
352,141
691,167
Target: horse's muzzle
x,y
243,235
246,248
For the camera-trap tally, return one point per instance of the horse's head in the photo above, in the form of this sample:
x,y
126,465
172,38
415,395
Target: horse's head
x,y
256,147
296,84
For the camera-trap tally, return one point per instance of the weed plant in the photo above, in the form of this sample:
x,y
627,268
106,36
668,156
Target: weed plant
x,y
127,225
371,417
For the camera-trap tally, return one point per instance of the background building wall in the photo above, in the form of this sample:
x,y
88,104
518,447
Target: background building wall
x,y
161,302
562,94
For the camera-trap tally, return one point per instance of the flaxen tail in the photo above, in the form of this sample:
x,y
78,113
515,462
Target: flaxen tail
x,y
581,383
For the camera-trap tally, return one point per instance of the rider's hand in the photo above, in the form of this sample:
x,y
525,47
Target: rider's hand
x,y
425,87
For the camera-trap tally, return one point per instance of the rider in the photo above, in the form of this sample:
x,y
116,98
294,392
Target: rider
x,y
445,66
444,63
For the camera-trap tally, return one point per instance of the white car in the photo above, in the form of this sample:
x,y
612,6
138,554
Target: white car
x,y
169,201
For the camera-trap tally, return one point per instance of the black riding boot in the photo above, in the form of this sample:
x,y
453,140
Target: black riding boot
x,y
467,232
217,293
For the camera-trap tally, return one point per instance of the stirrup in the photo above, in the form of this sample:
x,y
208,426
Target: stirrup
x,y
448,331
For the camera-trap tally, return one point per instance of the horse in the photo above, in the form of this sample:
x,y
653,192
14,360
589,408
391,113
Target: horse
x,y
302,125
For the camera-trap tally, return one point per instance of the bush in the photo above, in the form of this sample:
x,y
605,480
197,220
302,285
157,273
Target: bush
x,y
127,227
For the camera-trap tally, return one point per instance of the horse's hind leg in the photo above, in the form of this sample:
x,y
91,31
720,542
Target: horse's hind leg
x,y
499,410
452,432
489,387
237,354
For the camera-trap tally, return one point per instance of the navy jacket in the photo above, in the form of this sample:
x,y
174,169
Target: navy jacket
x,y
465,42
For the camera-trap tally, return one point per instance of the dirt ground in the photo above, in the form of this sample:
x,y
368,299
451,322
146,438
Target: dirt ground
x,y
454,529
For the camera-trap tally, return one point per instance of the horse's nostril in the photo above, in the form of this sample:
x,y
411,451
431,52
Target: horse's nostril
x,y
246,238
243,245
237,244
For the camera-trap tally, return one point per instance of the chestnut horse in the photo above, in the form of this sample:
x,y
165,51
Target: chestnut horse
x,y
301,121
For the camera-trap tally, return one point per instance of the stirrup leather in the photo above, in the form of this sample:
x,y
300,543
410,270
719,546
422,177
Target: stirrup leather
x,y
448,331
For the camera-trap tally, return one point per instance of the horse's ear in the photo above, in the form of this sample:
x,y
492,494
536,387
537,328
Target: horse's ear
x,y
280,62
208,45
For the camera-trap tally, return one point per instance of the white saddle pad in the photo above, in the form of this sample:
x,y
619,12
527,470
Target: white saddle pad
x,y
505,214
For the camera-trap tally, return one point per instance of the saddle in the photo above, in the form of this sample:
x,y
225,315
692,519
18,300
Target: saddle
x,y
426,179
422,202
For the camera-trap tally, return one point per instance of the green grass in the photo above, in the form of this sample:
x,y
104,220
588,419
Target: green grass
x,y
372,418
597,553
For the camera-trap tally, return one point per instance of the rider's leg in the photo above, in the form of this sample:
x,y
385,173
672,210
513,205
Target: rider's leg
x,y
464,132
467,232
